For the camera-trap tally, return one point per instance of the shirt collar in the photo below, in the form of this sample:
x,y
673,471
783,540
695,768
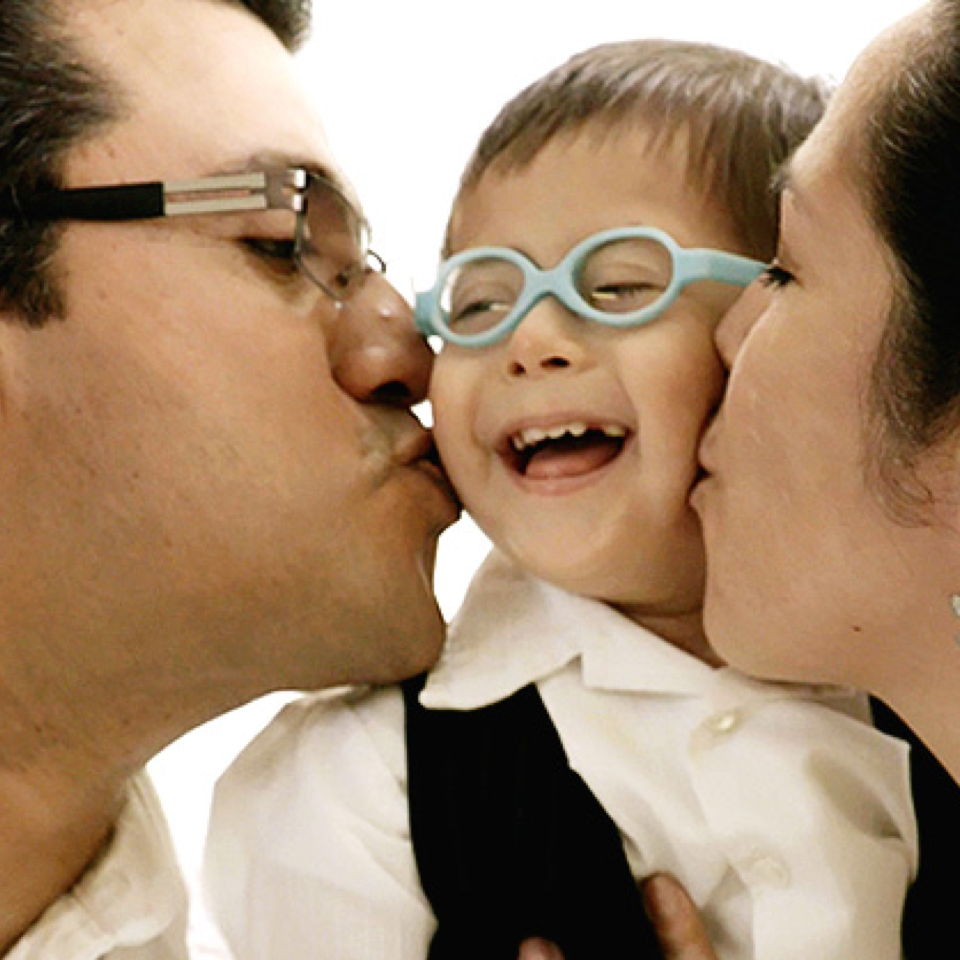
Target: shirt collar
x,y
514,629
133,894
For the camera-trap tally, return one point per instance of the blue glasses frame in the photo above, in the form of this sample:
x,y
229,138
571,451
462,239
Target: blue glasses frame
x,y
688,266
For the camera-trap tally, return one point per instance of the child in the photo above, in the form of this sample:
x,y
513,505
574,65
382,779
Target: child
x,y
570,425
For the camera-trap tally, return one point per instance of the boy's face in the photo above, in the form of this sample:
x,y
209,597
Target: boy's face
x,y
603,515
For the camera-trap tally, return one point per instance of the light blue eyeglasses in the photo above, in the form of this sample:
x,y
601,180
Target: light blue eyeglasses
x,y
622,278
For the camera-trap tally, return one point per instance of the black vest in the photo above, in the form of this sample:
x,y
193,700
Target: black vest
x,y
510,842
928,926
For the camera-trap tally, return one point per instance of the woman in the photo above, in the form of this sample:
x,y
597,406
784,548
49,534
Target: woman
x,y
831,503
831,508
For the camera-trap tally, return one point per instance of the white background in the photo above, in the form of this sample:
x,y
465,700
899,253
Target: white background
x,y
405,89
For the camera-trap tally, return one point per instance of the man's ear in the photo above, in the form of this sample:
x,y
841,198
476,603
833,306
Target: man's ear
x,y
5,323
13,339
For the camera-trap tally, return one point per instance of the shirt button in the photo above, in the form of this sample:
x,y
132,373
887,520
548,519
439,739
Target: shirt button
x,y
765,870
724,722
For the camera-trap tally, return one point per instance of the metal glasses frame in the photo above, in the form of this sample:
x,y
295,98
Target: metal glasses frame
x,y
286,189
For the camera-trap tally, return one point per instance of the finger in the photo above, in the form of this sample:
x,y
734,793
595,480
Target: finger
x,y
537,949
676,920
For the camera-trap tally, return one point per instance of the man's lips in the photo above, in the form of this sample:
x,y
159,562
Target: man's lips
x,y
413,446
418,451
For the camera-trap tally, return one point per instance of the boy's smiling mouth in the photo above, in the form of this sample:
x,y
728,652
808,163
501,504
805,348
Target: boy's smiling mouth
x,y
563,450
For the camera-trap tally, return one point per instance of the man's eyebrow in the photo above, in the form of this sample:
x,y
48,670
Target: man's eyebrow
x,y
265,160
276,160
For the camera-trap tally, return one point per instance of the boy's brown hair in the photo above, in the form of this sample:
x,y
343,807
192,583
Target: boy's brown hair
x,y
743,117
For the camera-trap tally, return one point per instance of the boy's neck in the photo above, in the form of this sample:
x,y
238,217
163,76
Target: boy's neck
x,y
684,631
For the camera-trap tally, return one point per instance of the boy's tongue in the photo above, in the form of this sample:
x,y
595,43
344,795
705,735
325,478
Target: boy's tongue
x,y
572,456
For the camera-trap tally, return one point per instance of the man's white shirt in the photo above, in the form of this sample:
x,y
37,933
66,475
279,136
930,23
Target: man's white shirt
x,y
130,905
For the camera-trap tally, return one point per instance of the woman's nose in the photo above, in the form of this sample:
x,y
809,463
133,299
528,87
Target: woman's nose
x,y
548,340
376,353
739,320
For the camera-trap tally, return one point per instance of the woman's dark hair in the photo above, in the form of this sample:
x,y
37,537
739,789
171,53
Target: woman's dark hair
x,y
911,156
50,101
742,117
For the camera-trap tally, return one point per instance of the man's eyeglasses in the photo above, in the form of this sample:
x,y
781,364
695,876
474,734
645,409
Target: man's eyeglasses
x,y
622,278
330,242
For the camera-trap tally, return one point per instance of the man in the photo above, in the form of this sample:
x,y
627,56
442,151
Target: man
x,y
212,483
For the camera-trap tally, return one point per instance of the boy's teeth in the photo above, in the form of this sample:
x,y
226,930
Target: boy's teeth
x,y
533,435
574,429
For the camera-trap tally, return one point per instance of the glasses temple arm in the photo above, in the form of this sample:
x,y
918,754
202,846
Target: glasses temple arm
x,y
132,202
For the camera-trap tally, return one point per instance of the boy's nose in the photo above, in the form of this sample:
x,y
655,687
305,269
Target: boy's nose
x,y
547,341
376,353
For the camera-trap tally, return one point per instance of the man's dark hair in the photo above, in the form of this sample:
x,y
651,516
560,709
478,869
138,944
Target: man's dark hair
x,y
911,159
50,101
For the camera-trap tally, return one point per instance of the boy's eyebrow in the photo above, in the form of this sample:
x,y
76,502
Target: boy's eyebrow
x,y
448,251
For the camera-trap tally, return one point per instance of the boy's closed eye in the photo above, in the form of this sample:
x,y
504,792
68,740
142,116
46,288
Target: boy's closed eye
x,y
623,297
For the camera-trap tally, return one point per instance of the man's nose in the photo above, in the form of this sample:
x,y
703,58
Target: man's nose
x,y
739,320
376,353
548,340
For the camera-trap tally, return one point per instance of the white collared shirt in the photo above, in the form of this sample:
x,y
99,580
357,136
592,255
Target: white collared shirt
x,y
783,812
130,905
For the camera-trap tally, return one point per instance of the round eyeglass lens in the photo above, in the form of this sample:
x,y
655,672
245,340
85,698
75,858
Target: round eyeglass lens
x,y
625,276
477,295
333,241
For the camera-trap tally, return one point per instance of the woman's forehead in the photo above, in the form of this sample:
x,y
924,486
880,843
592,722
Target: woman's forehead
x,y
829,176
